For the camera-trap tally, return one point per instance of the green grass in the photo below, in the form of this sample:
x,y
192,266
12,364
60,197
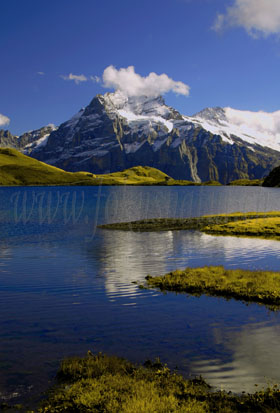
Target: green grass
x,y
197,223
18,169
246,182
256,286
108,384
246,215
182,182
259,227
137,175
212,183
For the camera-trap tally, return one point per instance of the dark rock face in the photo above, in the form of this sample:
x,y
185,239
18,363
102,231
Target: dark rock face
x,y
115,132
273,179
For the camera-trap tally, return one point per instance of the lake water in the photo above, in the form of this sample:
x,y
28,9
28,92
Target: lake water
x,y
66,286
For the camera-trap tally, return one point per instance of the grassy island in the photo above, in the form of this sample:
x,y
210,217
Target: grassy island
x,y
256,286
101,383
208,223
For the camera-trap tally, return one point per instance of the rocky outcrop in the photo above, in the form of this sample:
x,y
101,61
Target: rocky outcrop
x,y
29,141
7,139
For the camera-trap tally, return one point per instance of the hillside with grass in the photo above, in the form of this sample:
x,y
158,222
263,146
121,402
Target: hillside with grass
x,y
19,169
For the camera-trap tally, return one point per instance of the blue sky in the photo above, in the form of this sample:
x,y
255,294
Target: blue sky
x,y
226,51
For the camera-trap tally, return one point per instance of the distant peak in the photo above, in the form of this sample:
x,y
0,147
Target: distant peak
x,y
51,126
217,114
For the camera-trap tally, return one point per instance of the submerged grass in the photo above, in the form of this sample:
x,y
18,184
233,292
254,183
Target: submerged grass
x,y
256,286
101,383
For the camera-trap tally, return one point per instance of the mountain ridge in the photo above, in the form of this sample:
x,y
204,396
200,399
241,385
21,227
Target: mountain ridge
x,y
116,132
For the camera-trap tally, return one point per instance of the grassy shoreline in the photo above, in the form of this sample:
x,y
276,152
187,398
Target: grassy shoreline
x,y
262,287
268,227
109,384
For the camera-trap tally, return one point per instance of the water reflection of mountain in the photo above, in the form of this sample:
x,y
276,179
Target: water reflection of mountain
x,y
125,256
246,354
54,273
251,253
255,356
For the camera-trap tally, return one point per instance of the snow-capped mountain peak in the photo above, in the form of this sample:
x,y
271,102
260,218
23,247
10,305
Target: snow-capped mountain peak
x,y
256,128
139,105
36,139
115,132
135,109
212,114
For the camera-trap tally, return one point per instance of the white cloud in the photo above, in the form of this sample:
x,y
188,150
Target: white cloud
x,y
132,84
95,79
258,17
262,121
41,73
4,120
263,126
76,78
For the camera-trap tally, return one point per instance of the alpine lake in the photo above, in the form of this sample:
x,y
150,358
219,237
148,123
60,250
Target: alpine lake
x,y
68,287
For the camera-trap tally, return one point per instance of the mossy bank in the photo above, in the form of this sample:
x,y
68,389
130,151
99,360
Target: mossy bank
x,y
101,383
251,286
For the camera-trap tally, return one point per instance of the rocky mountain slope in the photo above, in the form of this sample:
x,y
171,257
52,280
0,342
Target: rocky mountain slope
x,y
115,132
27,142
